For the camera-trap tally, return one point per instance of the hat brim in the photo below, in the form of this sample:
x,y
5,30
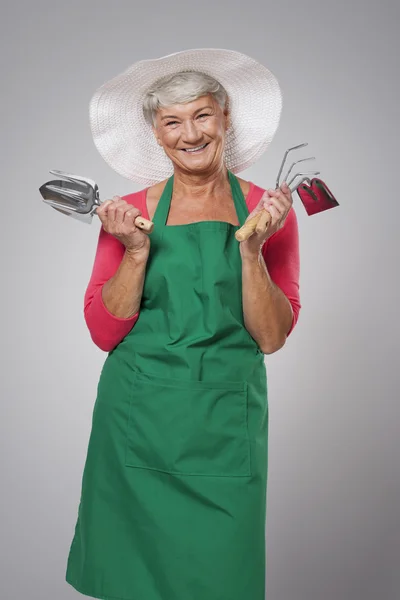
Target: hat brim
x,y
126,141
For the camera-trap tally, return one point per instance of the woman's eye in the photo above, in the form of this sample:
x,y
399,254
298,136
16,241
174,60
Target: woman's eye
x,y
171,122
203,115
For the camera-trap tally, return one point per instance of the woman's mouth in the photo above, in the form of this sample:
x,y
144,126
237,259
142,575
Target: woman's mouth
x,y
196,150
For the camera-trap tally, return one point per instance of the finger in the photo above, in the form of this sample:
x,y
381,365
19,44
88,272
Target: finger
x,y
115,210
263,222
111,213
264,197
263,200
103,208
280,202
119,215
268,202
278,193
131,213
277,219
260,205
130,217
103,218
287,192
286,189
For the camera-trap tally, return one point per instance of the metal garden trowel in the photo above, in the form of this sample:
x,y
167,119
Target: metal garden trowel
x,y
78,197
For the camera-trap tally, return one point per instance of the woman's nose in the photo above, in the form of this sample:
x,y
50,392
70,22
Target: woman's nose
x,y
190,132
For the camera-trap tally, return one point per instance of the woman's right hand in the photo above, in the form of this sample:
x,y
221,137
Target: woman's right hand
x,y
118,219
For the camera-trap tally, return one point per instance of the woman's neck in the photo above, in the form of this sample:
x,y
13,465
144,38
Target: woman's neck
x,y
201,187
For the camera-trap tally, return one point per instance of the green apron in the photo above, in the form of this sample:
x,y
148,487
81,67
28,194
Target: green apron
x,y
173,499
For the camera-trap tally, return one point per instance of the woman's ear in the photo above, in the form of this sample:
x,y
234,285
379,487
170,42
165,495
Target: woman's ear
x,y
154,128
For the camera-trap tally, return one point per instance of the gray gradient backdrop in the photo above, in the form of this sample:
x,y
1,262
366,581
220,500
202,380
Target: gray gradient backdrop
x,y
333,520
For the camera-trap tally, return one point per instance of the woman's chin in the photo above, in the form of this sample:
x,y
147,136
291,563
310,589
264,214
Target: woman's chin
x,y
197,165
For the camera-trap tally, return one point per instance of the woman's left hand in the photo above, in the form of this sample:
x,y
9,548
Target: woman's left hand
x,y
275,202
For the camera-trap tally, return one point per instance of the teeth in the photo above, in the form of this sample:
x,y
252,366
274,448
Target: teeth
x,y
194,149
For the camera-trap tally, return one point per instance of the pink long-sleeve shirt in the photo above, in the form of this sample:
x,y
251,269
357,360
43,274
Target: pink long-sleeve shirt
x,y
280,252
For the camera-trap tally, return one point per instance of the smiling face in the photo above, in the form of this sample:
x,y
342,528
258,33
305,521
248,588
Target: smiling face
x,y
193,134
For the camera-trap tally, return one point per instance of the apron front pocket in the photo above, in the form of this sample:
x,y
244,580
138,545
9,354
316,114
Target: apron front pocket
x,y
188,427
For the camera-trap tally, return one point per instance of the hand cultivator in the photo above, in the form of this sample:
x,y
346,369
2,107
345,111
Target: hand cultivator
x,y
314,193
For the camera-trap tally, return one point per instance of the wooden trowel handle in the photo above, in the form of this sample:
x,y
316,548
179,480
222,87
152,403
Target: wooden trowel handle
x,y
144,224
249,227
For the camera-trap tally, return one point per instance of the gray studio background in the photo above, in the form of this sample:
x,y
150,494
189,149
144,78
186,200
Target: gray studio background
x,y
333,524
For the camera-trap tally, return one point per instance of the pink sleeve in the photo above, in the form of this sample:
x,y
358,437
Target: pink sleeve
x,y
282,256
107,330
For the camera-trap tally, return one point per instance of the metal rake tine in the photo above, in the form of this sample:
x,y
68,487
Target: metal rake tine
x,y
295,163
74,178
301,175
302,180
284,160
72,194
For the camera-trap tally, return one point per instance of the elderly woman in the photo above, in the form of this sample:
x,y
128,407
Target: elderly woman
x,y
173,501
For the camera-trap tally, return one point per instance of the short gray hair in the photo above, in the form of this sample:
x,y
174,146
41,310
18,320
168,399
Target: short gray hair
x,y
181,88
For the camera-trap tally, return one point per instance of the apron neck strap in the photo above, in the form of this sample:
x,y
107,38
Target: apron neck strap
x,y
240,202
161,215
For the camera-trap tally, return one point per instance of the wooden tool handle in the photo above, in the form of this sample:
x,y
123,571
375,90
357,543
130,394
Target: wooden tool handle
x,y
144,224
249,227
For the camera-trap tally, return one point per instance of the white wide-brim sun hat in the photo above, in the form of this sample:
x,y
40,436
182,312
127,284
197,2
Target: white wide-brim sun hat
x,y
126,141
